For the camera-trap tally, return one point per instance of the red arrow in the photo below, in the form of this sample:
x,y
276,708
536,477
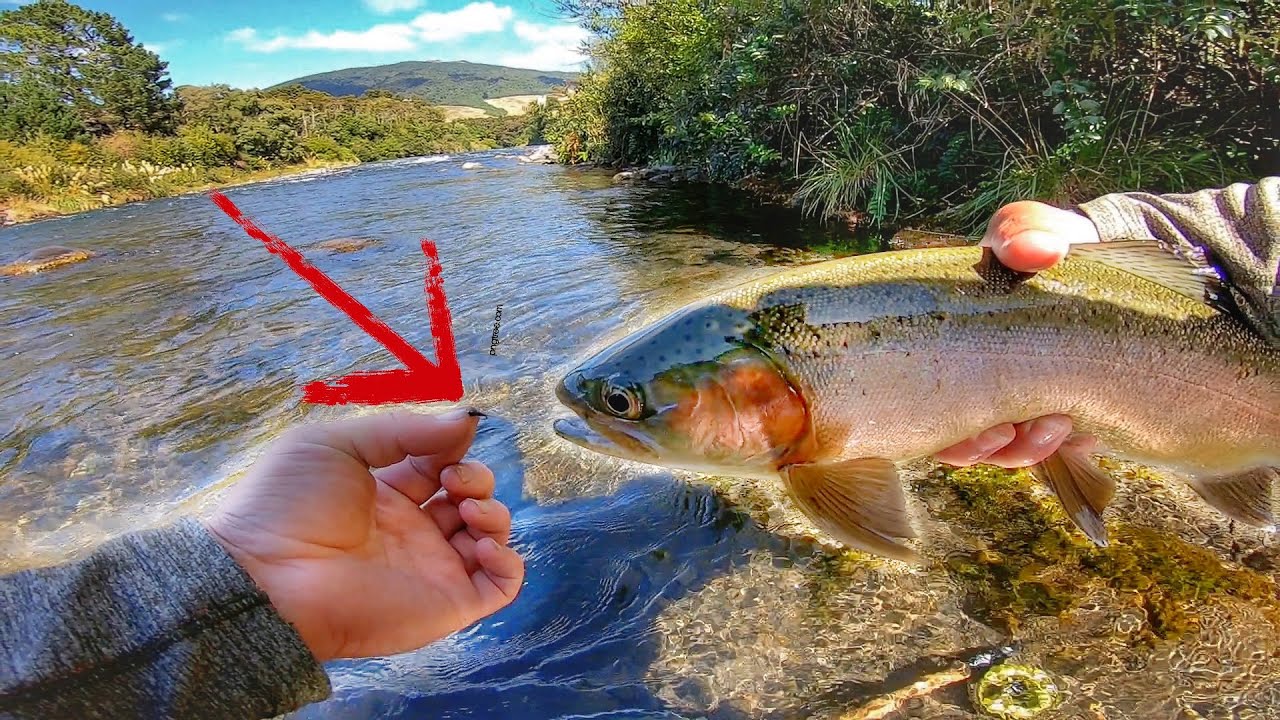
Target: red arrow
x,y
421,381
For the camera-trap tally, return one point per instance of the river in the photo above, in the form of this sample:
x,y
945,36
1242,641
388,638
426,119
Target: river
x,y
137,385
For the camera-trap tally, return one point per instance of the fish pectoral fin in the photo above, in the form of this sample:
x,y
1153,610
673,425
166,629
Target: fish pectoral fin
x,y
1150,261
858,502
1245,496
1084,489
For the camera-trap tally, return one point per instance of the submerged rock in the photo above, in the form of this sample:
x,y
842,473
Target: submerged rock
x,y
1014,692
45,258
471,165
347,244
661,175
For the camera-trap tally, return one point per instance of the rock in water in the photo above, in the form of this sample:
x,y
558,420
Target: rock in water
x,y
347,244
470,165
45,258
1016,692
544,154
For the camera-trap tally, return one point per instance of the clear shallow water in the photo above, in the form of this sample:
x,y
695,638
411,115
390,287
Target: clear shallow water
x,y
138,384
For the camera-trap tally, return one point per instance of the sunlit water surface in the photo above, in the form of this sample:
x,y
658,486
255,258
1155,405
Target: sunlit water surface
x,y
137,385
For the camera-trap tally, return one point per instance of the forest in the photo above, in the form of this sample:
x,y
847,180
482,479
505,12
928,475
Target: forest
x,y
89,118
930,112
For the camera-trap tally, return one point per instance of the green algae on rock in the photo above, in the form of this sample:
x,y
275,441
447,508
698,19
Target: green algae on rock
x,y
1015,692
1034,562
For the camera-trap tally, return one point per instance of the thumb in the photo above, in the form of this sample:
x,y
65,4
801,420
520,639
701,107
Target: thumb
x,y
1031,250
387,438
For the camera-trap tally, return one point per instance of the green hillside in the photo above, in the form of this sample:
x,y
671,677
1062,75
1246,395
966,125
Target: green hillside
x,y
443,83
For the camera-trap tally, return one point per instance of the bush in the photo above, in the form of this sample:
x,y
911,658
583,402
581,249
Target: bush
x,y
323,147
974,104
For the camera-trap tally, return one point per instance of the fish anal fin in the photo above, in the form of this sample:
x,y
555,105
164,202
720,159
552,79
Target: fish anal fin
x,y
1244,497
1084,489
858,502
1190,277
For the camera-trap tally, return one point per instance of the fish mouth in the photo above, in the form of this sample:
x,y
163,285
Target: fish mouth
x,y
591,431
576,431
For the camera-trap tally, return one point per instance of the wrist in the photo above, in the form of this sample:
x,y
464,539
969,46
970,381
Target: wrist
x,y
269,577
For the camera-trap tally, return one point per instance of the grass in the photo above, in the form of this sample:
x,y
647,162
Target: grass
x,y
864,171
64,190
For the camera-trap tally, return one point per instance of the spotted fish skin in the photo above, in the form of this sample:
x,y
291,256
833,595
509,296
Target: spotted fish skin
x,y
825,375
905,368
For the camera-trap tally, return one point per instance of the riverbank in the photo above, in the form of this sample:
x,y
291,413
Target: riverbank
x,y
897,113
74,194
15,211
772,191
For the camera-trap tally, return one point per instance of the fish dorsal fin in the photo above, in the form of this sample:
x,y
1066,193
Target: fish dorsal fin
x,y
858,502
1084,489
1245,497
1148,260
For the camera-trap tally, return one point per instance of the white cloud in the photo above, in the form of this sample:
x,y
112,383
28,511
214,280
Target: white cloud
x,y
559,34
555,47
386,7
379,38
173,16
473,19
161,47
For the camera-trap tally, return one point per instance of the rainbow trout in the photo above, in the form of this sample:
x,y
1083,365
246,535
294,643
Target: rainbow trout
x,y
826,376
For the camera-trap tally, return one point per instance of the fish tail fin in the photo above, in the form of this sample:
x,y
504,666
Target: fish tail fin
x,y
1245,497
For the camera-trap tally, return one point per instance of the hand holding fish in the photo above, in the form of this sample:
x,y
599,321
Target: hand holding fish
x,y
1026,236
1031,236
825,377
373,536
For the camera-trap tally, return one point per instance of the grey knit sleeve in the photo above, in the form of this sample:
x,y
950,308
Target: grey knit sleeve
x,y
155,624
1236,228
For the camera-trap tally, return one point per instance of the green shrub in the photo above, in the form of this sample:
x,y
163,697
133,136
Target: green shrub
x,y
975,104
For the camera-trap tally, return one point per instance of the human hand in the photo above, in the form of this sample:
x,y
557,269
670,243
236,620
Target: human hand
x,y
371,535
1026,236
1030,236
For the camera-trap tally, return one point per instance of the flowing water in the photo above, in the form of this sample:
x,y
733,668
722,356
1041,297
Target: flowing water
x,y
137,385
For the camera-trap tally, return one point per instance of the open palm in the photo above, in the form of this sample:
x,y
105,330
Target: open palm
x,y
372,536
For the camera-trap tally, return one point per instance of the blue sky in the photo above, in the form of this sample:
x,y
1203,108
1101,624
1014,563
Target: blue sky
x,y
256,43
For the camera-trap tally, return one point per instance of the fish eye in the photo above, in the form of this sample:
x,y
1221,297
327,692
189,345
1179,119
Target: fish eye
x,y
624,402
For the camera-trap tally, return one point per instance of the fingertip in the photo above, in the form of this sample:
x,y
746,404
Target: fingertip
x,y
501,571
1036,440
1032,250
468,479
992,439
1050,430
978,447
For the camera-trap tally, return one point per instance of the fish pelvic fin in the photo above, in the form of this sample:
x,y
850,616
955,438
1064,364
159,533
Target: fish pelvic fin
x,y
1084,489
1244,497
859,502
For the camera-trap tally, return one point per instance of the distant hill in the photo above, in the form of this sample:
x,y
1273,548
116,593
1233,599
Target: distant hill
x,y
443,83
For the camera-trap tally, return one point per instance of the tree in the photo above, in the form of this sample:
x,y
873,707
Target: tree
x,y
90,63
28,109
